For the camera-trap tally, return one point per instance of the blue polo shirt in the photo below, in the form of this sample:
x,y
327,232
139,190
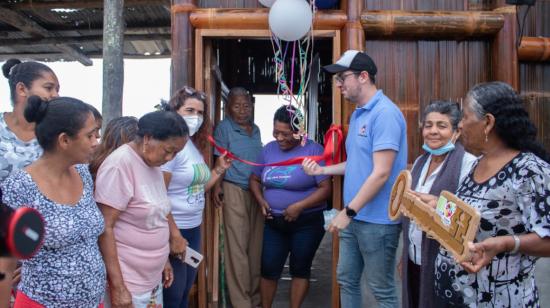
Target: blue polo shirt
x,y
231,136
378,125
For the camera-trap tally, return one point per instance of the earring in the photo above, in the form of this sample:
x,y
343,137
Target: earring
x,y
486,138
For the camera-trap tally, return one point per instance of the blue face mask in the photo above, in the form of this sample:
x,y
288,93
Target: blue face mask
x,y
442,150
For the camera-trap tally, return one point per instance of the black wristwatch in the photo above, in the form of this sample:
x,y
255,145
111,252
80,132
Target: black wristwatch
x,y
350,212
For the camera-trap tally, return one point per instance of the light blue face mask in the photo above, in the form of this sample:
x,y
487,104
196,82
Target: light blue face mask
x,y
440,151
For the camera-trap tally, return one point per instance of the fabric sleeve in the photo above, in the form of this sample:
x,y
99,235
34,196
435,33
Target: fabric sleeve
x,y
16,192
387,131
221,137
113,187
533,198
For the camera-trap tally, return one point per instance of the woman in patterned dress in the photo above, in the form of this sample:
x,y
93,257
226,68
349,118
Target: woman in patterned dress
x,y
18,144
509,185
68,270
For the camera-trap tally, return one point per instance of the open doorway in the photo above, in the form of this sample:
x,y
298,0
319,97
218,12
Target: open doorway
x,y
245,59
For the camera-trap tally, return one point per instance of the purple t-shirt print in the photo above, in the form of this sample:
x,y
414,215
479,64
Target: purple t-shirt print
x,y
285,185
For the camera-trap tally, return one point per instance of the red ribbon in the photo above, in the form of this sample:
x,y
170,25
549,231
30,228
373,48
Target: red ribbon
x,y
331,154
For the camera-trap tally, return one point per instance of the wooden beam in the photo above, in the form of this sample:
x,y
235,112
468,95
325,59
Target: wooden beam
x,y
62,32
431,25
113,59
536,49
28,25
214,18
13,43
71,4
58,56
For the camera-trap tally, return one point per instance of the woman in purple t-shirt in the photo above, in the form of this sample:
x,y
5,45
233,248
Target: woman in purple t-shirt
x,y
293,205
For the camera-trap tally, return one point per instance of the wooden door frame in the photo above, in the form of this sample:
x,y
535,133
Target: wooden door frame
x,y
203,70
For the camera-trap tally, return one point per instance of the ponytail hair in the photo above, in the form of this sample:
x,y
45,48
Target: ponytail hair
x,y
512,123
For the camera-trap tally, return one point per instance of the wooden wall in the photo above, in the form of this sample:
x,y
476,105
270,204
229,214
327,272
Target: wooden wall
x,y
535,77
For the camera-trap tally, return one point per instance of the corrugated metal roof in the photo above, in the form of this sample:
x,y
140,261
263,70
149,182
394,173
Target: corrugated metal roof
x,y
71,22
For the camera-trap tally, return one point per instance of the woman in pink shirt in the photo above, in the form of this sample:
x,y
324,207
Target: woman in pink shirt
x,y
132,196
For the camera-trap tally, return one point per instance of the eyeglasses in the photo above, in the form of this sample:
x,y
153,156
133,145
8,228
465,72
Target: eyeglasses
x,y
192,92
339,78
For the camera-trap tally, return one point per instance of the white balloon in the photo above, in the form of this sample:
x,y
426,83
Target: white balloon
x,y
290,20
267,3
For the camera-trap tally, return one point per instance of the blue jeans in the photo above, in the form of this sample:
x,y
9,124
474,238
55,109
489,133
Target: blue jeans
x,y
177,294
371,248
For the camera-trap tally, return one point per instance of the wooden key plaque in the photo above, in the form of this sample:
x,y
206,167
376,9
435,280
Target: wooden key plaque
x,y
453,223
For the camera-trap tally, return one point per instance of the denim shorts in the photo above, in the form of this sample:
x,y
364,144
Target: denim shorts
x,y
300,238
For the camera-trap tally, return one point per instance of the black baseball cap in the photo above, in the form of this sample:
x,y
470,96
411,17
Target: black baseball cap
x,y
354,60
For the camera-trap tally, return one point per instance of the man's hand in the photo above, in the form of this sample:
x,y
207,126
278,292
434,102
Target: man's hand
x,y
292,212
311,167
340,222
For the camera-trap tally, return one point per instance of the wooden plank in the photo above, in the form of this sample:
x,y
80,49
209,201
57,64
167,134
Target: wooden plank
x,y
113,61
71,4
26,42
28,25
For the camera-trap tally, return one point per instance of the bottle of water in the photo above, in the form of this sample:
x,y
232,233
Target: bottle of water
x,y
329,215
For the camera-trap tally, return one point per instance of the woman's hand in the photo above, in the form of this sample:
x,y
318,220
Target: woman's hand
x,y
223,162
16,275
292,212
430,200
481,254
311,167
121,297
266,210
340,222
178,245
167,275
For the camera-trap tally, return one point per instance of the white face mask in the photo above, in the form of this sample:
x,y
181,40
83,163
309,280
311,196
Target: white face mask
x,y
193,122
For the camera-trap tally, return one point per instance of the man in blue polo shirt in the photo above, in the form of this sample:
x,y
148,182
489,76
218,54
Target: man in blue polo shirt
x,y
242,217
376,148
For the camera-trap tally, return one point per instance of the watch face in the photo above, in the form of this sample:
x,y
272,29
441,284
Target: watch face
x,y
351,213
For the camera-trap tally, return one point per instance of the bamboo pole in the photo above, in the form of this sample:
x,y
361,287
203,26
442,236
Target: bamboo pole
x,y
504,51
431,24
535,49
214,18
182,68
113,60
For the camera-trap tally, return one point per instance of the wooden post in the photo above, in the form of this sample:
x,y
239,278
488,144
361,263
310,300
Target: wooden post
x,y
504,49
113,59
182,67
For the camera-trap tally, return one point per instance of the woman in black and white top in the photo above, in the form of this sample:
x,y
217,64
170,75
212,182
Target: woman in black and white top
x,y
509,187
442,167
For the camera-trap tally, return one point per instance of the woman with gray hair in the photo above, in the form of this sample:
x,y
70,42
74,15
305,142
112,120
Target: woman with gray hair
x,y
442,167
508,185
